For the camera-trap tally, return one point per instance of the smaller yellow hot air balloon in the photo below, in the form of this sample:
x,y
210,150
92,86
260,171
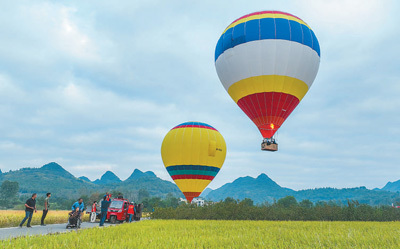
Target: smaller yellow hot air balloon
x,y
193,153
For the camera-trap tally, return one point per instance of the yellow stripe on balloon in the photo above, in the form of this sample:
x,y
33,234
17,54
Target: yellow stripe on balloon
x,y
269,15
190,146
192,185
268,83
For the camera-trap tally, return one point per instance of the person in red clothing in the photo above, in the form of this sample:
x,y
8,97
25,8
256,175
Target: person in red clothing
x,y
93,214
94,207
131,211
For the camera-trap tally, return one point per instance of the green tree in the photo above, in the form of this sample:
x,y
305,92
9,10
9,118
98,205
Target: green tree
x,y
171,201
230,200
247,202
287,202
9,189
94,197
306,204
143,194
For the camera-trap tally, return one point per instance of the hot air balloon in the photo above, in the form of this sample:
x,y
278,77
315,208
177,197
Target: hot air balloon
x,y
193,153
267,61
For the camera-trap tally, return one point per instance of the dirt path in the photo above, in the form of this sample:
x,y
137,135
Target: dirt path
x,y
13,232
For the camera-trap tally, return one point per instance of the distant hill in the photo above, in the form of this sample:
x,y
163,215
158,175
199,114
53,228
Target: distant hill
x,y
49,178
263,189
55,179
85,178
137,174
392,186
361,194
149,181
206,192
107,178
260,189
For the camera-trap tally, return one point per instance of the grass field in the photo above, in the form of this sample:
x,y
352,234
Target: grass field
x,y
12,218
223,234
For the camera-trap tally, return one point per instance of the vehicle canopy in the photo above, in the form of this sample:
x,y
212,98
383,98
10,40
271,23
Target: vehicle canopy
x,y
118,203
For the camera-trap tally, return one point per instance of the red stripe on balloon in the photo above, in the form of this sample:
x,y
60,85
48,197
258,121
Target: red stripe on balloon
x,y
195,126
190,195
268,108
266,12
199,177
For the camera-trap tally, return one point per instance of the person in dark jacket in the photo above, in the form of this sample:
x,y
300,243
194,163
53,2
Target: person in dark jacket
x,y
30,206
104,208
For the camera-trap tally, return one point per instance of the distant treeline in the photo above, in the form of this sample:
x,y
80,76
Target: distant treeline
x,y
10,198
286,208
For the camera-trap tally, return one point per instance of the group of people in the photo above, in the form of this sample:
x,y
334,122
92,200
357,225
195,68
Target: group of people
x,y
78,206
30,207
105,203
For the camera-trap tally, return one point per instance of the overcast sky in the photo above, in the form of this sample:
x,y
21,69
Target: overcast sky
x,y
96,85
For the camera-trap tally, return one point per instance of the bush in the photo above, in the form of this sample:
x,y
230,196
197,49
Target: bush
x,y
286,208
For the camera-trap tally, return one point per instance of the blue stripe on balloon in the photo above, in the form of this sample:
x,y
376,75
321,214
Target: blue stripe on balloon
x,y
267,28
282,29
296,31
315,43
194,123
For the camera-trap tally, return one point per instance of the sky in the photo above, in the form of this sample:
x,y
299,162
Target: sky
x,y
96,85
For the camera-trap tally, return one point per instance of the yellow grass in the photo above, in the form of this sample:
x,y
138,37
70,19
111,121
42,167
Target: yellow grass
x,y
223,234
12,218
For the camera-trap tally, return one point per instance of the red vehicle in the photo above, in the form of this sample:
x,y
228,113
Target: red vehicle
x,y
118,210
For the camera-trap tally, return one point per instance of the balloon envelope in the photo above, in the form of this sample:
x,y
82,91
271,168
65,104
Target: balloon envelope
x,y
193,153
267,61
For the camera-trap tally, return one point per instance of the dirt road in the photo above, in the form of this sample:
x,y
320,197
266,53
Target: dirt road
x,y
13,232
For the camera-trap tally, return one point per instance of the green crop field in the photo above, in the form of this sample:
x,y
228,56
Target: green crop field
x,y
223,234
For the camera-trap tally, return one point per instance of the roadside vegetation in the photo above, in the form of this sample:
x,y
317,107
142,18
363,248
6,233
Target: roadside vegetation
x,y
286,208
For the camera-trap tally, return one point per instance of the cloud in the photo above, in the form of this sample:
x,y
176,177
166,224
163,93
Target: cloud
x,y
95,86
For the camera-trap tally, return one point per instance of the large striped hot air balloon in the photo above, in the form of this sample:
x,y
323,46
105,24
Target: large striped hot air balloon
x,y
267,61
193,154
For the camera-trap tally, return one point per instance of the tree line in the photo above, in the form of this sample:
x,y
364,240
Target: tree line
x,y
169,207
10,198
286,208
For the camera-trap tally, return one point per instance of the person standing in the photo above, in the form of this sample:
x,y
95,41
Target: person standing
x,y
94,208
93,214
131,211
45,209
108,196
30,206
104,208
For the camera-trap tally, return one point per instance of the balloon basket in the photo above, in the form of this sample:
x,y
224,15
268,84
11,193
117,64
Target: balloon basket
x,y
268,146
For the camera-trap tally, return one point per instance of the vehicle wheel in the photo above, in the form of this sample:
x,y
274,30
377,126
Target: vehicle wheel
x,y
113,219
